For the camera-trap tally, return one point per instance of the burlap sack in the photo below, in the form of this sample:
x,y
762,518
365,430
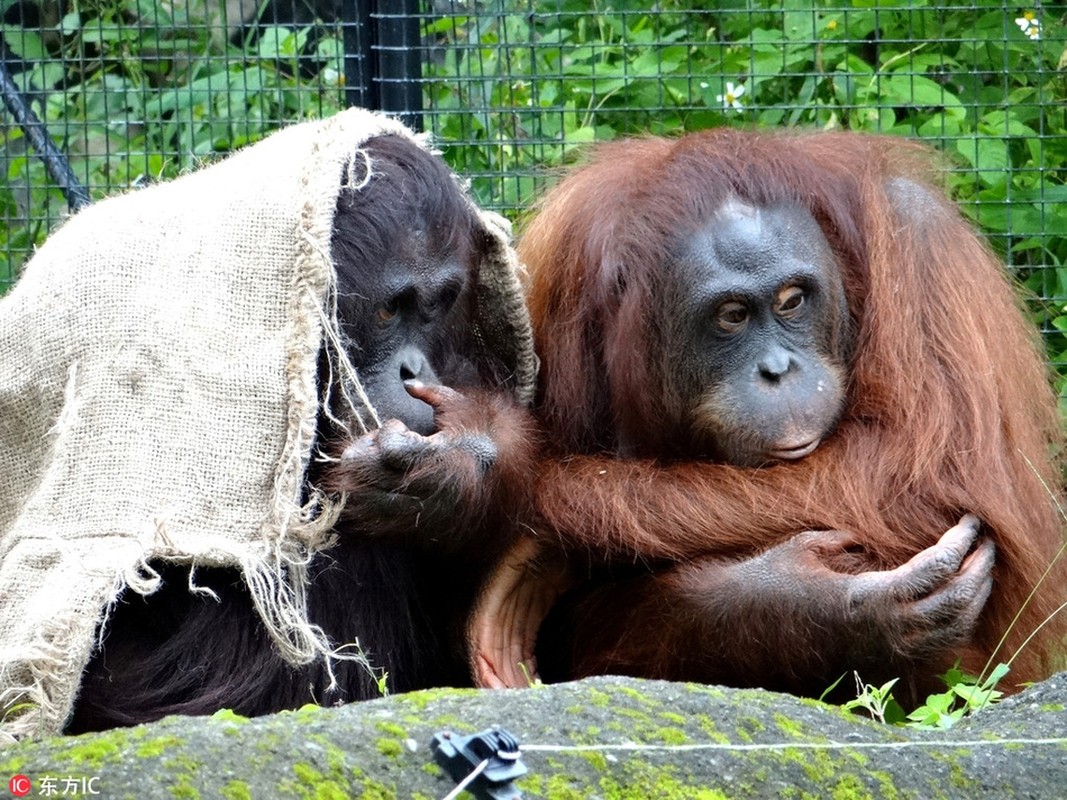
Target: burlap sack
x,y
158,400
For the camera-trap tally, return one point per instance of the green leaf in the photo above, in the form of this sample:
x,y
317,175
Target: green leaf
x,y
989,157
24,43
70,23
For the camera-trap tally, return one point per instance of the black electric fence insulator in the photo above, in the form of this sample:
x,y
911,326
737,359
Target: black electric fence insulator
x,y
484,764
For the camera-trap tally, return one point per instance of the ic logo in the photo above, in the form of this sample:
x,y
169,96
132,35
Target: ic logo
x,y
19,785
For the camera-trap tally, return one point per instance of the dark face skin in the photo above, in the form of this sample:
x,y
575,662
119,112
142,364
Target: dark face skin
x,y
757,319
406,318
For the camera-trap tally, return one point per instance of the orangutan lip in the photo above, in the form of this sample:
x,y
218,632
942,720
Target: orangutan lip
x,y
793,453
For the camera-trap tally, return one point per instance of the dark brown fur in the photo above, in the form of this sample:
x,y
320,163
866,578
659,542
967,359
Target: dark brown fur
x,y
399,584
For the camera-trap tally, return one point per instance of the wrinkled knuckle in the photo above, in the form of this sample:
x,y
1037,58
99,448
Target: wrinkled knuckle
x,y
942,565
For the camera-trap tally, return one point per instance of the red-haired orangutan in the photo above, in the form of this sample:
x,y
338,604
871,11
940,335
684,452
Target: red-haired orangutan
x,y
777,369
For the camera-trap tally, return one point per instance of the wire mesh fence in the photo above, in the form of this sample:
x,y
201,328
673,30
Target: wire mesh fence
x,y
131,91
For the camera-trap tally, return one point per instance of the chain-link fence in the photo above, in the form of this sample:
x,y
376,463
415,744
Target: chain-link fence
x,y
131,91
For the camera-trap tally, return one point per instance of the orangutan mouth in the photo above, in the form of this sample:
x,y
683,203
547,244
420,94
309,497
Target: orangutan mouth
x,y
794,453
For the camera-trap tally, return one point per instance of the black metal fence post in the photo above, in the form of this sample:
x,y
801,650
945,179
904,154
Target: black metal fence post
x,y
358,53
383,61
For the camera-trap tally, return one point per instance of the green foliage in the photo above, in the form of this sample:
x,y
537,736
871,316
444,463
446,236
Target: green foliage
x,y
145,91
381,682
136,91
877,701
966,694
966,79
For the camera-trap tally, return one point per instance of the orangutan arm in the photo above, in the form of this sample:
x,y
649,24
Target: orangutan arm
x,y
630,509
783,619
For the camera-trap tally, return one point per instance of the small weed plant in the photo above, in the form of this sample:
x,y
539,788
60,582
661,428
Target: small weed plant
x,y
965,694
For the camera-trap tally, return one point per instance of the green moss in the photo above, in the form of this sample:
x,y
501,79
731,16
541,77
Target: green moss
x,y
643,780
271,741
236,790
850,787
747,727
713,692
635,715
710,730
792,728
421,699
154,748
752,724
532,784
392,729
336,758
307,774
957,776
856,756
821,767
182,771
373,790
97,750
670,736
184,790
1052,707
598,698
562,787
596,759
316,785
885,784
331,791
635,694
432,768
390,748
226,715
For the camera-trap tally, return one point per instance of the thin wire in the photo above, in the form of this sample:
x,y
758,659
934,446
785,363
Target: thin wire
x,y
1057,741
463,784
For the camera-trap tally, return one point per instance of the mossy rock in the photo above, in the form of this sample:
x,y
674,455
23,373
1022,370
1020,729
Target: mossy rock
x,y
609,738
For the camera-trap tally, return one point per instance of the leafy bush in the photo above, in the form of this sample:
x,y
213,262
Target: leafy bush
x,y
984,82
142,90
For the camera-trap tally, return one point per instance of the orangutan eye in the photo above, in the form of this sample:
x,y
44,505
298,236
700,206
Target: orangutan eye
x,y
388,312
732,316
789,301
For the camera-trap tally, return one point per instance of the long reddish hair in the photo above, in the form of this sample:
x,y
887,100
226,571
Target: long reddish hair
x,y
950,408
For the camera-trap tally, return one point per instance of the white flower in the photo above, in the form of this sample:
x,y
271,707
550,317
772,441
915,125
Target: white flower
x,y
731,98
1030,25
